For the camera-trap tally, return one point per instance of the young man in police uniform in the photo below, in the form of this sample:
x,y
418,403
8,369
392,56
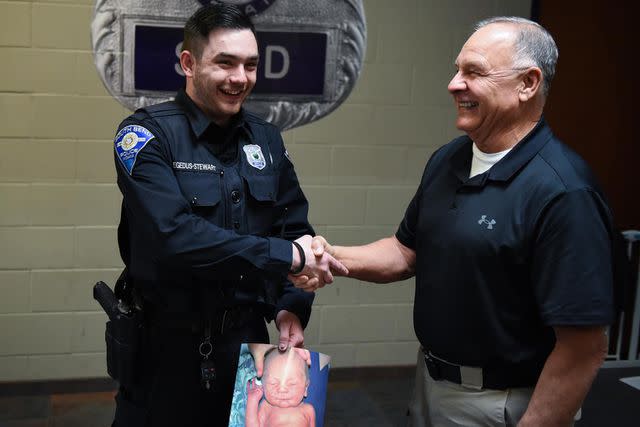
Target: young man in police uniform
x,y
211,205
509,238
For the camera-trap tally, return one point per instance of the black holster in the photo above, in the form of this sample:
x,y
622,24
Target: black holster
x,y
124,333
123,337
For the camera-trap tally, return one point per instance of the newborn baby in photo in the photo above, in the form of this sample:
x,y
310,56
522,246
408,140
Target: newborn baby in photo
x,y
284,385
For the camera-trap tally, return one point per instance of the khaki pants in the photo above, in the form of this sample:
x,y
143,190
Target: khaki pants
x,y
446,404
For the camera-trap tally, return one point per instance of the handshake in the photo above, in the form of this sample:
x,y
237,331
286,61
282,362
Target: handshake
x,y
319,264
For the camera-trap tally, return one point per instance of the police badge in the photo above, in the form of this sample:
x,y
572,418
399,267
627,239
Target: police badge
x,y
311,53
255,156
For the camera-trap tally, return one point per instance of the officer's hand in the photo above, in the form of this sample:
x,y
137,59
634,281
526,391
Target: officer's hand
x,y
320,247
319,265
291,332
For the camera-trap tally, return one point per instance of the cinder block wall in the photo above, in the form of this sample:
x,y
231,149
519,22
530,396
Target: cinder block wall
x,y
59,204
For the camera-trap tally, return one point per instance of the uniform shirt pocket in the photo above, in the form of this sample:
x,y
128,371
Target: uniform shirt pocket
x,y
262,213
263,188
203,193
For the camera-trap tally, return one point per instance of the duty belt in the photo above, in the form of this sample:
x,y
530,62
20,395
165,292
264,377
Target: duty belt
x,y
222,320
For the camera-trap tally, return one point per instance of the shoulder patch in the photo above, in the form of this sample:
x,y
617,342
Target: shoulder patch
x,y
128,143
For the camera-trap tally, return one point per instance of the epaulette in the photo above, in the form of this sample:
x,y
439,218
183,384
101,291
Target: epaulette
x,y
162,109
254,118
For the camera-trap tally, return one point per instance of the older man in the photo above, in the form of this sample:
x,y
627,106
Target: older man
x,y
509,238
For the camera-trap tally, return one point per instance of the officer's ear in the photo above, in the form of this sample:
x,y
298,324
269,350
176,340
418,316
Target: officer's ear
x,y
187,62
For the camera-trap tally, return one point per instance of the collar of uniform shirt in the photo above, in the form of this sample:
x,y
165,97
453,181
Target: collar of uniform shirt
x,y
199,121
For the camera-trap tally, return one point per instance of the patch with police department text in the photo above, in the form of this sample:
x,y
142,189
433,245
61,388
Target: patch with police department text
x,y
128,143
255,156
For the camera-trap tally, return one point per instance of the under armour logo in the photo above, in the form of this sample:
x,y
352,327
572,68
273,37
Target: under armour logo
x,y
483,220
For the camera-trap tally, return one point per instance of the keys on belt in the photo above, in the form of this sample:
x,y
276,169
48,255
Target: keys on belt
x,y
207,366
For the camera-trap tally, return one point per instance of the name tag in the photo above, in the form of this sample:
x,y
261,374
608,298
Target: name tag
x,y
188,166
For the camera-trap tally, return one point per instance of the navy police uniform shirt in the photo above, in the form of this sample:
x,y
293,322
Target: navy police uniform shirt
x,y
506,255
208,208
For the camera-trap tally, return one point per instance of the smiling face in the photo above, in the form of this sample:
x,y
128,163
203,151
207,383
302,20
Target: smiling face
x,y
220,80
285,379
487,84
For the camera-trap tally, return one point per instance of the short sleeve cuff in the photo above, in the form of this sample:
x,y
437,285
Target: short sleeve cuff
x,y
600,316
405,238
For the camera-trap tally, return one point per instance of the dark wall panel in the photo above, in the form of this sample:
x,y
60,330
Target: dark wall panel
x,y
593,102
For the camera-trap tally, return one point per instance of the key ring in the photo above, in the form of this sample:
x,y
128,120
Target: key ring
x,y
206,348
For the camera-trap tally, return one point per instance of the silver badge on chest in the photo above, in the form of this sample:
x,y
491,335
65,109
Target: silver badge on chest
x,y
255,156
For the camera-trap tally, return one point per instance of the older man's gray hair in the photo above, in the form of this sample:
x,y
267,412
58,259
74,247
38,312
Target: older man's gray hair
x,y
534,46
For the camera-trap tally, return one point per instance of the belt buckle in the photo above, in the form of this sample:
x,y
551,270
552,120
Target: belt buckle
x,y
433,367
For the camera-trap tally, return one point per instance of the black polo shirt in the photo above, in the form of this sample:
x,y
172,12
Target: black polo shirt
x,y
504,256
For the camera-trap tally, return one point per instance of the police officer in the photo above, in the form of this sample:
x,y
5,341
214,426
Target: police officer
x,y
211,208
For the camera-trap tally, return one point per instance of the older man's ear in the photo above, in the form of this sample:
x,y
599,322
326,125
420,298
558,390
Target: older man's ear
x,y
531,84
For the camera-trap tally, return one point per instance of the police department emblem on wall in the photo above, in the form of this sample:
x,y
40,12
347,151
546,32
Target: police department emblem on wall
x,y
311,53
250,7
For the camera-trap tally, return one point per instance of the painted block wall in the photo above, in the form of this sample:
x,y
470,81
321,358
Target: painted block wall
x,y
59,203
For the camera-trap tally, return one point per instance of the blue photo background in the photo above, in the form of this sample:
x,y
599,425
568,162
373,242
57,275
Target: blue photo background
x,y
317,392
